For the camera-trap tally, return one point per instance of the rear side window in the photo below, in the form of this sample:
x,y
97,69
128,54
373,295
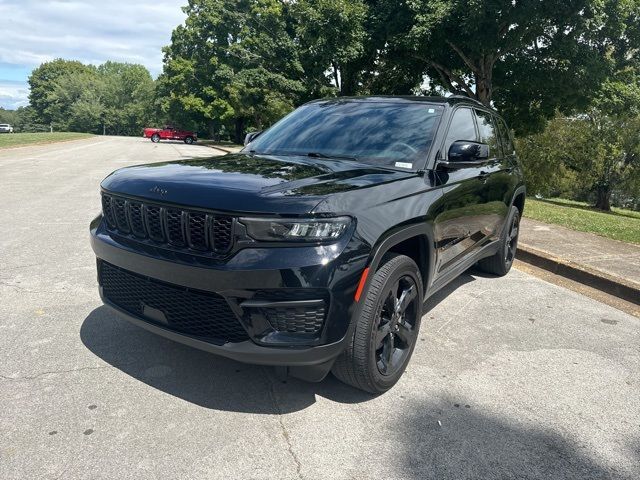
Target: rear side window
x,y
462,127
505,137
488,134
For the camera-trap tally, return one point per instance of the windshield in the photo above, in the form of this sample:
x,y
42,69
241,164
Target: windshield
x,y
394,135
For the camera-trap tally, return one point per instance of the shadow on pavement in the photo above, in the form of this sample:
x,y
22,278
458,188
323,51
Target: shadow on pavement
x,y
208,380
448,289
200,377
471,444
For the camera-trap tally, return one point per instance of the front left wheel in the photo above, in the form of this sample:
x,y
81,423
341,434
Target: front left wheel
x,y
188,140
155,138
385,334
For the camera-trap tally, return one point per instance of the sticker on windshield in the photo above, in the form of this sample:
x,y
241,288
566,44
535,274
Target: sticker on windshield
x,y
404,165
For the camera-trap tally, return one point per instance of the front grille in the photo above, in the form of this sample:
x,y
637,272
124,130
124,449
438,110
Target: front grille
x,y
174,227
205,315
305,319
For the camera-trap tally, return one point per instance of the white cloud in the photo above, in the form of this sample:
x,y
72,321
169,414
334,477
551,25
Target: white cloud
x,y
89,31
13,94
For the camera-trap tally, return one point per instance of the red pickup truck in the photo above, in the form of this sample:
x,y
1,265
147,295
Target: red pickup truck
x,y
170,133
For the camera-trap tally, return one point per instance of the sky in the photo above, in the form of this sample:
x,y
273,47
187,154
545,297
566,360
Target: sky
x,y
32,32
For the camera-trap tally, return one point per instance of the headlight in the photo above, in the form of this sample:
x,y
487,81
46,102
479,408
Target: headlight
x,y
296,230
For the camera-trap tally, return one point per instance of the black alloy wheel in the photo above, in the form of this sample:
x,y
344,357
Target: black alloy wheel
x,y
396,332
511,245
385,328
500,263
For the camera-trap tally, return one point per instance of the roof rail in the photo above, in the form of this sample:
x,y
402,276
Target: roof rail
x,y
464,97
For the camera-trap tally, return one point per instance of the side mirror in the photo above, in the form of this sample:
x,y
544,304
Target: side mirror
x,y
464,151
250,137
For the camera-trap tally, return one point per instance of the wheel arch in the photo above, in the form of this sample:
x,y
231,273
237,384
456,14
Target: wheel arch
x,y
414,241
518,198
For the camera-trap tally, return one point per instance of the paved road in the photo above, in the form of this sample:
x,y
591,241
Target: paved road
x,y
512,378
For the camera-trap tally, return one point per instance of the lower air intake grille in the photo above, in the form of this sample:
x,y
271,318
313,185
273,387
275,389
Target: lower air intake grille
x,y
183,310
308,319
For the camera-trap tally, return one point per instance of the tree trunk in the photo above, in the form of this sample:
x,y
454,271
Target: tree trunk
x,y
239,133
603,199
348,81
336,77
211,126
483,91
484,78
484,86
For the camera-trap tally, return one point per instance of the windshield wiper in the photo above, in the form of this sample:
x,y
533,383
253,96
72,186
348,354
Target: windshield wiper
x,y
309,154
322,155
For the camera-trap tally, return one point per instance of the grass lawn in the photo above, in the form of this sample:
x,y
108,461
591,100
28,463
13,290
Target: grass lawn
x,y
619,224
19,139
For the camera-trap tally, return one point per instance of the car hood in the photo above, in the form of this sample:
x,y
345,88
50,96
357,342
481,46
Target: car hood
x,y
248,183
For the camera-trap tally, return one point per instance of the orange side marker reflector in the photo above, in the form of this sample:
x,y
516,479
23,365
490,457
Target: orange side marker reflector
x,y
363,280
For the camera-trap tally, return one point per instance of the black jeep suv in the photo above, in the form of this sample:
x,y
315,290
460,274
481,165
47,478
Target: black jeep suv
x,y
314,248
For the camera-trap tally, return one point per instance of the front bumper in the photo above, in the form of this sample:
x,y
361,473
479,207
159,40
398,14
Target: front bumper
x,y
242,281
247,351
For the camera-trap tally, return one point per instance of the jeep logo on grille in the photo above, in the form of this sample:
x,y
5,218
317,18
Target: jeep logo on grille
x,y
158,190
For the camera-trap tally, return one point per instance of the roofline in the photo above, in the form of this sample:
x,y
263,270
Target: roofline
x,y
464,97
450,100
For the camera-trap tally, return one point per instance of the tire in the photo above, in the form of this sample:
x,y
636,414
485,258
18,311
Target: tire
x,y
500,263
380,331
155,138
188,140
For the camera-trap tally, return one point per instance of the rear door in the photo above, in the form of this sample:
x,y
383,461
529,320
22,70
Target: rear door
x,y
498,178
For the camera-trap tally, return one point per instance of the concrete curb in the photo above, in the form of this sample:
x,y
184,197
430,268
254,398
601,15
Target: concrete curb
x,y
222,149
616,286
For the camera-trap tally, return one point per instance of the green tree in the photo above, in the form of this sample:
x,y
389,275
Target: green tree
x,y
239,63
127,95
26,120
114,97
591,155
43,80
594,154
527,58
331,36
234,62
8,116
74,102
387,66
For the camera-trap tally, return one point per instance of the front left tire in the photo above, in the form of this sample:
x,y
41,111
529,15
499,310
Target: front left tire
x,y
188,140
386,332
155,138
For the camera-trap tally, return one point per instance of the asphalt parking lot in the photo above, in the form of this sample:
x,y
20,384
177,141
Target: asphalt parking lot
x,y
512,378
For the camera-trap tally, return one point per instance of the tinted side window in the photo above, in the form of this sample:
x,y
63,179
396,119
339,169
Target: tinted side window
x,y
488,133
462,127
506,137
